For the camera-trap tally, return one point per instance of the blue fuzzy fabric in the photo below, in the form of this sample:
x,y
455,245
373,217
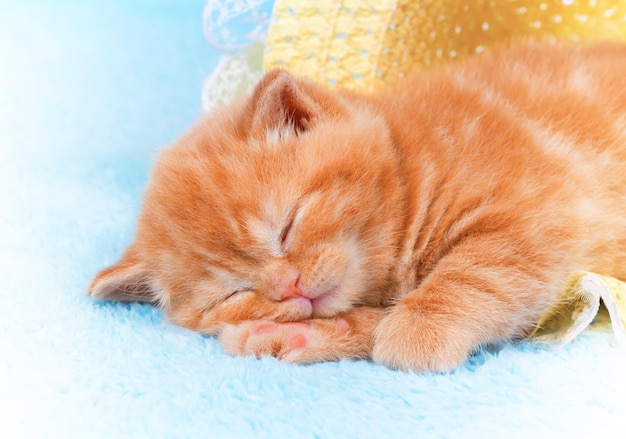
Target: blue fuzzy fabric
x,y
88,93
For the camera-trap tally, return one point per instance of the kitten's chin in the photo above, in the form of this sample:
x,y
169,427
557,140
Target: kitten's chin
x,y
301,308
328,304
324,312
323,306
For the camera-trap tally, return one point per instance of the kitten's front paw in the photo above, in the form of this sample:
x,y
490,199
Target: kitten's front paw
x,y
298,342
406,340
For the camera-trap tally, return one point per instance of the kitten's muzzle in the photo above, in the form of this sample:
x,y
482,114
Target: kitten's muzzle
x,y
292,290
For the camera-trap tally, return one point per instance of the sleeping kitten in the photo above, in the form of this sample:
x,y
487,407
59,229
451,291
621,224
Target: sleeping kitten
x,y
408,227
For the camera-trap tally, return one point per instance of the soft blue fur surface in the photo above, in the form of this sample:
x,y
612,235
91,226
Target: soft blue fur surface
x,y
88,93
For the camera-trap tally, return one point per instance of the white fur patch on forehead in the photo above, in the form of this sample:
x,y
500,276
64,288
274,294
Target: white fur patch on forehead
x,y
274,138
276,213
266,234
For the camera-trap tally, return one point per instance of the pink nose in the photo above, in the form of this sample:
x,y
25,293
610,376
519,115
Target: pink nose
x,y
292,290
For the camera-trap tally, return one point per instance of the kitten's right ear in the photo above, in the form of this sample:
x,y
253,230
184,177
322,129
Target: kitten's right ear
x,y
278,102
127,281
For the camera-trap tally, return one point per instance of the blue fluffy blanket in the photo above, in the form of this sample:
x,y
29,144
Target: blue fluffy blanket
x,y
88,92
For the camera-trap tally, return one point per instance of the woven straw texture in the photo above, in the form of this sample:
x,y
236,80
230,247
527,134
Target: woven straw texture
x,y
364,44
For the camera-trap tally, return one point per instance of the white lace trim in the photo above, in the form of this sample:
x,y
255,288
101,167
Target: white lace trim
x,y
232,76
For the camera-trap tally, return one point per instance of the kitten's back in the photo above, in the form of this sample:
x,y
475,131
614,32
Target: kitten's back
x,y
532,138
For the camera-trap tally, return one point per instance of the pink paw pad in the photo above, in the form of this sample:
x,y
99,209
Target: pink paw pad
x,y
298,341
265,328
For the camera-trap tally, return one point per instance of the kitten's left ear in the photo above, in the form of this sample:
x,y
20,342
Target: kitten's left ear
x,y
126,281
279,102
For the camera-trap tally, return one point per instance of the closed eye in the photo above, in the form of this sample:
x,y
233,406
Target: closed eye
x,y
236,293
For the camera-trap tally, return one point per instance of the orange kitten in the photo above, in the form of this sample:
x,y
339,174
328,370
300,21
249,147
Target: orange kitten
x,y
409,227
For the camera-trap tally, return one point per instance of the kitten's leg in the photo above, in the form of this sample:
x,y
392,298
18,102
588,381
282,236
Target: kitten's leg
x,y
479,294
349,335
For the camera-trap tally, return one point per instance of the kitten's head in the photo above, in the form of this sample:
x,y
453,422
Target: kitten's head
x,y
284,206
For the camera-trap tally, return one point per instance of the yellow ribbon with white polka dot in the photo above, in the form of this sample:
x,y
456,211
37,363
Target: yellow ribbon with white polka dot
x,y
364,44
